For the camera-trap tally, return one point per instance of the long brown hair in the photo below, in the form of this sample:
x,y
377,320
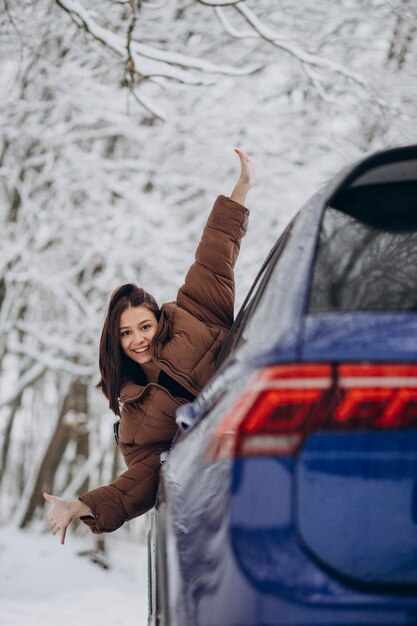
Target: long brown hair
x,y
115,367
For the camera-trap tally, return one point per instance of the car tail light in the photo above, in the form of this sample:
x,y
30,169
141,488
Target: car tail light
x,y
284,403
377,396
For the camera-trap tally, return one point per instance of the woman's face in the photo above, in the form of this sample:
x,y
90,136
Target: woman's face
x,y
137,328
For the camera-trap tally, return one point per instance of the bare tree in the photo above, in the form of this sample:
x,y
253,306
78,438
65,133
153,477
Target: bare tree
x,y
96,191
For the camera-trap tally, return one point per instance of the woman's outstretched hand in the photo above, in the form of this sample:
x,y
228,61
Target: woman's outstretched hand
x,y
246,178
62,513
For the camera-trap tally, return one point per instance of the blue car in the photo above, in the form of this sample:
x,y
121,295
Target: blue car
x,y
290,493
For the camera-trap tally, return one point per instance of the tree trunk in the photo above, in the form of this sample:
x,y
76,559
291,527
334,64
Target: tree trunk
x,y
5,447
75,403
402,37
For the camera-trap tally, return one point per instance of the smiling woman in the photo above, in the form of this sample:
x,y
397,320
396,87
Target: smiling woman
x,y
137,329
153,360
128,330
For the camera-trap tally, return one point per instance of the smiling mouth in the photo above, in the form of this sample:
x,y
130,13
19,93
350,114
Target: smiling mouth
x,y
141,350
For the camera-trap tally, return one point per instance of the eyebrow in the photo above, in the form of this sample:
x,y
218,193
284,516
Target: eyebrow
x,y
140,323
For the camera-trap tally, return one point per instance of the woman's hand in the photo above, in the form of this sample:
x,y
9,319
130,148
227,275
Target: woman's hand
x,y
62,513
246,178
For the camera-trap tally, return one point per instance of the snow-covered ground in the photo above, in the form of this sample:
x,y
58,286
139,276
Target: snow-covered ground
x,y
43,583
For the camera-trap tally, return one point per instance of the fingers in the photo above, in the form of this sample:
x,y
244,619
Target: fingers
x,y
48,497
247,172
51,523
54,527
242,156
50,520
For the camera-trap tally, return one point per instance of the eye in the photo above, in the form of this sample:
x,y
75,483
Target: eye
x,y
146,327
124,333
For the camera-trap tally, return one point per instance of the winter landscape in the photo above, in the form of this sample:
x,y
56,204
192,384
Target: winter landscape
x,y
118,124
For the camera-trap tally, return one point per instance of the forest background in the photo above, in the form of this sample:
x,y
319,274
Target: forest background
x,y
118,123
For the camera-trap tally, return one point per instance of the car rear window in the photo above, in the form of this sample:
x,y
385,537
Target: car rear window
x,y
366,258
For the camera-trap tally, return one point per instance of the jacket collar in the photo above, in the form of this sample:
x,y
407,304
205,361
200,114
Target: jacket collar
x,y
130,391
163,329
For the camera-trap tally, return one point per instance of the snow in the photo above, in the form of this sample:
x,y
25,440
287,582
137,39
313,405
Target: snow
x,y
96,192
150,61
43,582
296,51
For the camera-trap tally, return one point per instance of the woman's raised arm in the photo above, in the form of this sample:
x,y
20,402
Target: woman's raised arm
x,y
209,289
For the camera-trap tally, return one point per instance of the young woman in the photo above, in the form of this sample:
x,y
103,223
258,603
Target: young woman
x,y
154,359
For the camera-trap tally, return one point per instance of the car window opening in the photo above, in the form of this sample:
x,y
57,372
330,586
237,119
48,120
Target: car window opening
x,y
240,333
367,253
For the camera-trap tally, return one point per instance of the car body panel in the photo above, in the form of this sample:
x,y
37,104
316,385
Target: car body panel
x,y
350,336
277,541
356,504
221,560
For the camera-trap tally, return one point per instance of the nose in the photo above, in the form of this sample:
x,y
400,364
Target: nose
x,y
137,339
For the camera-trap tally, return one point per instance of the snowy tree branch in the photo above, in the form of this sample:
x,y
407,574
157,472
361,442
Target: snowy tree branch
x,y
309,62
151,62
144,102
231,30
54,341
26,380
315,81
10,17
130,63
411,19
219,3
298,53
86,469
50,361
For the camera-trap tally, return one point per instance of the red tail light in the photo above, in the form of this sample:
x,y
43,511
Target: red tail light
x,y
284,403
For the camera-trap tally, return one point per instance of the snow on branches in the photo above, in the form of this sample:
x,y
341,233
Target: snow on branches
x,y
150,60
95,192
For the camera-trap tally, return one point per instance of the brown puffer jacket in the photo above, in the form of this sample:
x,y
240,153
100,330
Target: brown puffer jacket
x,y
190,334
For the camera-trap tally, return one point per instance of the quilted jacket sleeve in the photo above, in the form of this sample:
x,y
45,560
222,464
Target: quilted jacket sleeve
x,y
130,495
208,292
